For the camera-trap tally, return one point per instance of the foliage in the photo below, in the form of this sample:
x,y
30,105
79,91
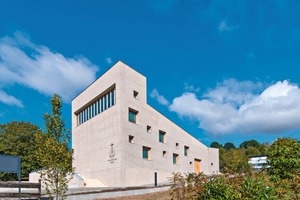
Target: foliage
x,y
234,161
228,146
55,157
283,158
17,139
252,151
257,187
53,152
216,145
198,186
250,143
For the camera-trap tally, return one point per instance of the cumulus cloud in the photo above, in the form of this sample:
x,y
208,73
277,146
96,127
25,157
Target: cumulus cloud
x,y
35,66
161,99
243,107
223,26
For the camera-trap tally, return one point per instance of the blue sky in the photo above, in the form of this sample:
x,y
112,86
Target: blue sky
x,y
222,70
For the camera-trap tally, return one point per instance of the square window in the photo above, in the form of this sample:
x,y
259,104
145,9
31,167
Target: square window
x,y
186,150
148,129
162,137
175,158
132,115
146,152
135,94
131,139
177,145
164,154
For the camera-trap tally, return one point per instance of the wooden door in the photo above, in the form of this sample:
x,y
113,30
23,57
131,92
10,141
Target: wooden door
x,y
197,166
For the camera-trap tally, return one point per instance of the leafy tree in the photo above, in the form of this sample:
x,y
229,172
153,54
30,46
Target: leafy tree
x,y
17,139
252,151
228,146
235,161
250,143
53,152
264,148
216,145
283,158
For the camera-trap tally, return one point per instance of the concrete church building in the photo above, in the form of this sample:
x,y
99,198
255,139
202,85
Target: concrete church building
x,y
119,140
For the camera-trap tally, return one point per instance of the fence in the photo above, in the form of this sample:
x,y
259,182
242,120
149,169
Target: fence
x,y
26,194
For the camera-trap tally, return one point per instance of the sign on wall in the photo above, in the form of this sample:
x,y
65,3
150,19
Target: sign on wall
x,y
112,153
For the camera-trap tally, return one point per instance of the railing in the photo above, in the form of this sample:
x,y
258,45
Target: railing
x,y
26,194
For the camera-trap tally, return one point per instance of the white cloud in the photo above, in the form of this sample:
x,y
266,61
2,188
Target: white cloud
x,y
37,67
161,99
191,88
108,60
223,26
10,100
243,107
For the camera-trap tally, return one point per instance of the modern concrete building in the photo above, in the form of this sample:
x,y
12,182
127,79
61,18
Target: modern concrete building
x,y
257,162
119,140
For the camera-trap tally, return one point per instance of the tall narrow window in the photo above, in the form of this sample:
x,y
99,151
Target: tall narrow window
x,y
175,158
186,150
161,136
102,104
96,108
132,115
105,102
108,100
146,152
113,97
93,110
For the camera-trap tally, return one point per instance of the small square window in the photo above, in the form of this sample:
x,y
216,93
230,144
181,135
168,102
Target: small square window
x,y
132,115
191,162
135,94
186,150
164,154
148,129
131,139
175,158
162,137
146,152
177,145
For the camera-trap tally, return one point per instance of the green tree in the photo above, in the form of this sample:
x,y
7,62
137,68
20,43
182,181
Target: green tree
x,y
283,158
216,145
235,161
250,143
228,146
17,139
252,151
53,152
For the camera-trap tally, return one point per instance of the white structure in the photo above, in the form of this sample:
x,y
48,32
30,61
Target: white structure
x,y
119,140
257,162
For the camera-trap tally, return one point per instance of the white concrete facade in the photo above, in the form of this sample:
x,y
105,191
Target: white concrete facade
x,y
109,148
257,162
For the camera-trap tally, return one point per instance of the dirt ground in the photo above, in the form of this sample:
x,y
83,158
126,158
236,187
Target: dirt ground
x,y
152,196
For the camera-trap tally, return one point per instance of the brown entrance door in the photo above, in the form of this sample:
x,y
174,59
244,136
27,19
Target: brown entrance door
x,y
197,166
